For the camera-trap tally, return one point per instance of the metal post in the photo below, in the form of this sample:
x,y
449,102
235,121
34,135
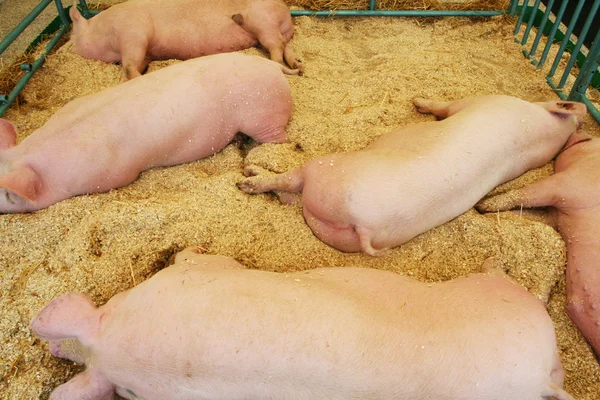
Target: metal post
x,y
566,39
587,71
552,34
541,29
371,5
513,7
84,8
582,35
520,20
534,10
61,13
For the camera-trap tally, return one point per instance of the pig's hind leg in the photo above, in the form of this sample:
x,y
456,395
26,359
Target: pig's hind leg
x,y
90,384
270,37
441,109
291,181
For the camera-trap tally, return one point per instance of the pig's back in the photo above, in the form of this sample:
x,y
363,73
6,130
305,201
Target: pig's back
x,y
186,29
238,331
181,113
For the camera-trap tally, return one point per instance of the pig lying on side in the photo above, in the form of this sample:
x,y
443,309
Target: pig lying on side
x,y
424,174
139,31
574,193
175,115
206,328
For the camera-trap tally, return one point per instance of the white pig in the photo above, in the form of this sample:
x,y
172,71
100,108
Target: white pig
x,y
138,31
573,192
206,328
178,114
425,174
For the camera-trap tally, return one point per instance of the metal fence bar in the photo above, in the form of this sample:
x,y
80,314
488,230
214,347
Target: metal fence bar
x,y
567,37
6,102
12,35
372,5
591,108
61,12
520,20
575,52
395,13
84,8
536,7
552,34
536,41
513,7
587,71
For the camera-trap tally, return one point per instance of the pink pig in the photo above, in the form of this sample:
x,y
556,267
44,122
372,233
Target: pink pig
x,y
178,114
206,328
574,193
139,31
424,174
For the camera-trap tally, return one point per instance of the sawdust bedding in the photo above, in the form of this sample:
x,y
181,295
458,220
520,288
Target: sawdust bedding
x,y
360,77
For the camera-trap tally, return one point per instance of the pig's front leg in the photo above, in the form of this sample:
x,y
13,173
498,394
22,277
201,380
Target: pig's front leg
x,y
258,182
89,385
543,193
133,57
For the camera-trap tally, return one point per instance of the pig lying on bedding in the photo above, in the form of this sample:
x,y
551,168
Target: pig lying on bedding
x,y
573,192
206,328
139,31
424,174
178,114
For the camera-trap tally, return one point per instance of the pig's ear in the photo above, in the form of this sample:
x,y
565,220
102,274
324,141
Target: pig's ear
x,y
23,181
238,19
8,134
75,15
67,317
566,108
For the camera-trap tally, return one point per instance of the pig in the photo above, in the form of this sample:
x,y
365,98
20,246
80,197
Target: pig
x,y
424,174
138,31
573,193
175,115
207,328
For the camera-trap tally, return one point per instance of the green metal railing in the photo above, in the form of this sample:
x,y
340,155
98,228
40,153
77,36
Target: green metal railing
x,y
374,12
548,25
58,27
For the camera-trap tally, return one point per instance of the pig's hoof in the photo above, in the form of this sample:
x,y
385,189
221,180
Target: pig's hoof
x,y
246,186
253,170
484,207
423,105
493,265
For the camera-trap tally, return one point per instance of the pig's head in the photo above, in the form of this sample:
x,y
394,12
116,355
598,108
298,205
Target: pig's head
x,y
567,110
91,38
